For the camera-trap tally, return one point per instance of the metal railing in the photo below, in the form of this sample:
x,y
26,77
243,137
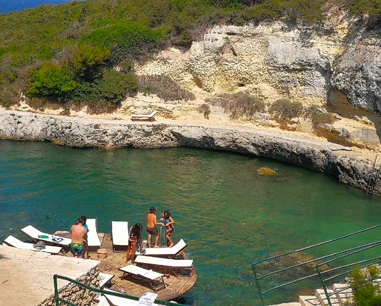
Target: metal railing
x,y
344,270
58,299
281,271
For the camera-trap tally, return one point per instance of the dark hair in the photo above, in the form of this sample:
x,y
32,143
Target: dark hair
x,y
152,209
167,214
136,231
82,220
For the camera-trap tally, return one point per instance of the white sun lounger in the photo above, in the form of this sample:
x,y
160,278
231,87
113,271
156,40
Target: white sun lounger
x,y
14,242
172,265
166,252
155,279
37,235
166,262
150,117
92,235
105,279
119,234
111,300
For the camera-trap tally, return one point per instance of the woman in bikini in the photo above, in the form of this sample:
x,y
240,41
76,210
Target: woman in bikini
x,y
169,224
135,237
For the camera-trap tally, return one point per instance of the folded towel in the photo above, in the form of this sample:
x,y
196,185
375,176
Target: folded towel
x,y
57,239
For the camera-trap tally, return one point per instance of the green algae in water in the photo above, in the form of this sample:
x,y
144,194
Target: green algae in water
x,y
228,215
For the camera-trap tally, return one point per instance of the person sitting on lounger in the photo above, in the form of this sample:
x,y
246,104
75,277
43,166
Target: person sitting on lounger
x,y
78,237
135,237
151,227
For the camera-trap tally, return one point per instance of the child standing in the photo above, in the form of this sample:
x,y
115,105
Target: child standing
x,y
135,237
169,224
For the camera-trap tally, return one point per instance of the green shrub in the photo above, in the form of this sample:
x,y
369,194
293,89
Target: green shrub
x,y
109,90
125,39
362,7
164,88
126,65
205,109
285,109
319,117
8,97
365,292
51,80
239,104
85,60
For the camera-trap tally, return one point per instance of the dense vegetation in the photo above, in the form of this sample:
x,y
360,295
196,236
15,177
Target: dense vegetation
x,y
68,53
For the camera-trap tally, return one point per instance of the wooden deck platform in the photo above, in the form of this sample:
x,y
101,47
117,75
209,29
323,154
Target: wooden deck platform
x,y
175,286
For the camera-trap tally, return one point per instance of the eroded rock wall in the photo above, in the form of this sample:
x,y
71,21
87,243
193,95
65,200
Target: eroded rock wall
x,y
338,60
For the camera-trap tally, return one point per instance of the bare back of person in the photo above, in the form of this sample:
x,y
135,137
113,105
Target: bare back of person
x,y
151,220
78,233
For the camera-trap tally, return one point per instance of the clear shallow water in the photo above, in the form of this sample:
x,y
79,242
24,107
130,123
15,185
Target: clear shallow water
x,y
228,215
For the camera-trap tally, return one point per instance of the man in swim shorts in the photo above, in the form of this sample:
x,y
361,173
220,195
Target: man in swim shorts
x,y
151,227
78,237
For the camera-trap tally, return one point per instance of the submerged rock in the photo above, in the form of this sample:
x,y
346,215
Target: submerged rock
x,y
267,172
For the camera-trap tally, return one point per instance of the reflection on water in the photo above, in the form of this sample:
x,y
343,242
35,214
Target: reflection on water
x,y
228,214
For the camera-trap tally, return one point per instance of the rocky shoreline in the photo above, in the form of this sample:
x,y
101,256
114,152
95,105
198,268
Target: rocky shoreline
x,y
313,154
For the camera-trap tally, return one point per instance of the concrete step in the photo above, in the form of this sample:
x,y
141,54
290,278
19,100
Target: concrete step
x,y
320,294
343,293
308,300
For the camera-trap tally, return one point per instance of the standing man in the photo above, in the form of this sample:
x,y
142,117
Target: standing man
x,y
151,227
78,237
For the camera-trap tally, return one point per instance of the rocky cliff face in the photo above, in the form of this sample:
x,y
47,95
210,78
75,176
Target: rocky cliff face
x,y
335,64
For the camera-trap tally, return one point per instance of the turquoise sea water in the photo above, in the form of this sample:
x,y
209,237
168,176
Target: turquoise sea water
x,y
7,6
228,214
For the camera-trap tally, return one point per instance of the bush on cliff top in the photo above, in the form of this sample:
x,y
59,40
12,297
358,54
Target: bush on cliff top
x,y
239,105
285,109
127,29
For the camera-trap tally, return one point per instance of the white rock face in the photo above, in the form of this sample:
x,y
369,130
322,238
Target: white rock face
x,y
338,58
286,61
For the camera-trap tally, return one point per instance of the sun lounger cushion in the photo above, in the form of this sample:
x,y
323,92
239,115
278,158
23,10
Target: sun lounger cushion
x,y
105,278
147,117
92,235
174,263
119,233
135,270
166,252
14,242
119,301
36,235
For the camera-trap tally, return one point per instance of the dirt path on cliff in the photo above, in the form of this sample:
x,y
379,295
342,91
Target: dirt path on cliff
x,y
195,119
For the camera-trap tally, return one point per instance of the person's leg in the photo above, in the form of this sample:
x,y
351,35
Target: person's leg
x,y
157,240
86,254
133,250
128,251
149,240
169,239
